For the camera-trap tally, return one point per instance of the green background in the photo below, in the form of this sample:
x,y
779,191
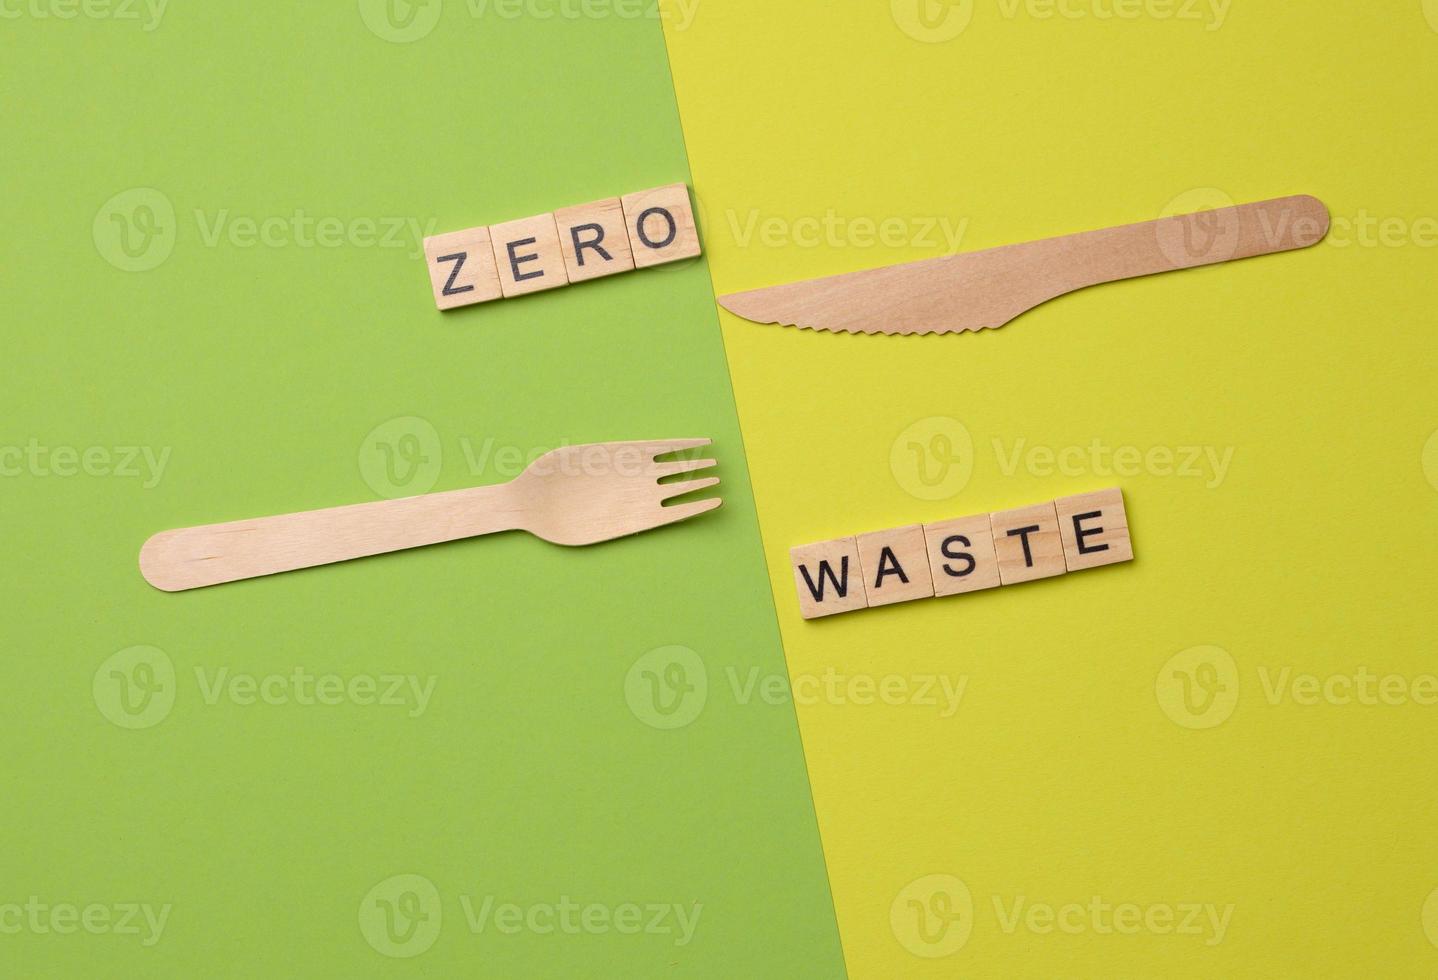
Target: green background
x,y
264,368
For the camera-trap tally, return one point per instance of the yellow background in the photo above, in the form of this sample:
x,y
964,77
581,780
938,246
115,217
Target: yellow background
x,y
1062,776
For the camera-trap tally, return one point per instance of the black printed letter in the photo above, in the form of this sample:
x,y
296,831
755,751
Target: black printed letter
x,y
458,259
1080,533
1024,533
673,227
944,548
514,260
889,565
841,581
580,246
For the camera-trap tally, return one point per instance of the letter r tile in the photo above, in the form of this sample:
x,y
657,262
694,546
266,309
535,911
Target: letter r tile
x,y
593,239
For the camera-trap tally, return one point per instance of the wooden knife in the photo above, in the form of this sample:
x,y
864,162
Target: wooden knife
x,y
989,288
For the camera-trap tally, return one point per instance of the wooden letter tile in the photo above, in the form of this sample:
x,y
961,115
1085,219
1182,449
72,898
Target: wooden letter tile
x,y
1027,543
1094,529
528,255
895,565
594,240
828,578
461,268
961,555
661,227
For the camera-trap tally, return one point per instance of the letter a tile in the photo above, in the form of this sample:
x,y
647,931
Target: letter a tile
x,y
896,565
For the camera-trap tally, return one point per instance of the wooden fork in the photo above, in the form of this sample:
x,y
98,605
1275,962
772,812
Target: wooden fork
x,y
577,495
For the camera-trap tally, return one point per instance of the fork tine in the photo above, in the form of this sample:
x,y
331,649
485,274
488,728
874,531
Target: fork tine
x,y
682,466
682,512
672,490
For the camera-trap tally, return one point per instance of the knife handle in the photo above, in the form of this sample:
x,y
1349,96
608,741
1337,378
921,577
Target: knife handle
x,y
1188,240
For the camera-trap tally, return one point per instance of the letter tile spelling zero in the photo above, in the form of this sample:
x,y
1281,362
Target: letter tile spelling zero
x,y
571,245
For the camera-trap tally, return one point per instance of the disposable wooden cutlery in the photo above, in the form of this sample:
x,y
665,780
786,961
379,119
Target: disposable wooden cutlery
x,y
576,495
989,288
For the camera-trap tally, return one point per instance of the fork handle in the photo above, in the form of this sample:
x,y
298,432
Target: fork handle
x,y
194,557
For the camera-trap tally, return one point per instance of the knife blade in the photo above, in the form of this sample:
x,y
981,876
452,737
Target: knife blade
x,y
988,288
